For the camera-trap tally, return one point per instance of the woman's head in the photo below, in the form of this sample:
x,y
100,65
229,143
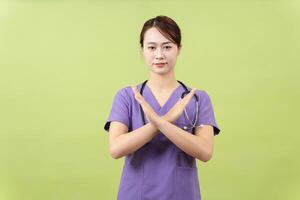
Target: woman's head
x,y
166,26
160,41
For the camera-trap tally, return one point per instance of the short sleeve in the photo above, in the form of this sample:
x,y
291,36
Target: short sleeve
x,y
206,112
119,110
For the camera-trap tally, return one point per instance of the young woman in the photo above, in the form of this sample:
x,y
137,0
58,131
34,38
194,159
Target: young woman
x,y
161,126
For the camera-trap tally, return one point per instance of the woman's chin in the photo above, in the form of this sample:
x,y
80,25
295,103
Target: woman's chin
x,y
160,71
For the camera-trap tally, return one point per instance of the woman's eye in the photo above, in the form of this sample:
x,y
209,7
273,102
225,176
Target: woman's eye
x,y
168,47
151,48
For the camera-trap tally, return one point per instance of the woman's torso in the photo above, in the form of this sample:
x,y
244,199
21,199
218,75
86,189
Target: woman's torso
x,y
159,170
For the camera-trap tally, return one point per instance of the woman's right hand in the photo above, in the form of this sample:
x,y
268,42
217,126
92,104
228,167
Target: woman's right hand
x,y
174,113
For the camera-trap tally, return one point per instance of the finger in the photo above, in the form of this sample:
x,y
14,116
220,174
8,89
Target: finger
x,y
133,88
190,94
140,99
135,92
192,91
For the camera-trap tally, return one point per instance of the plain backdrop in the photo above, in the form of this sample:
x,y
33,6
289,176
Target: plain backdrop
x,y
62,62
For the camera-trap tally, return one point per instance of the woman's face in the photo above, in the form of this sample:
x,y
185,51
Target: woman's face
x,y
157,49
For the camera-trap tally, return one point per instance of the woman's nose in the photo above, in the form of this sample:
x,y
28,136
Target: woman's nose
x,y
159,53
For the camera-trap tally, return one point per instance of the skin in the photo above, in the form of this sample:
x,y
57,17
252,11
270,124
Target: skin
x,y
162,82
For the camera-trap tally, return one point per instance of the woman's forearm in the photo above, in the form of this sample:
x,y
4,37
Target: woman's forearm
x,y
193,145
132,141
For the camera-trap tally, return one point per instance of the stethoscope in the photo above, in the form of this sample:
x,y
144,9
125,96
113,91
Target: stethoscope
x,y
191,124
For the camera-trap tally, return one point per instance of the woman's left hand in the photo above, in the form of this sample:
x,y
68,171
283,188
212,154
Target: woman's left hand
x,y
149,112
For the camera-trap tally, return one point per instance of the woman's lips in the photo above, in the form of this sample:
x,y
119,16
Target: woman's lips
x,y
159,64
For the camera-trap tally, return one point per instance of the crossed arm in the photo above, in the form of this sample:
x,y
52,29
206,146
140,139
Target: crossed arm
x,y
199,145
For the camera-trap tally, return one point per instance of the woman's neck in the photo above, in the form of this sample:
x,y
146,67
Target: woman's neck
x,y
162,82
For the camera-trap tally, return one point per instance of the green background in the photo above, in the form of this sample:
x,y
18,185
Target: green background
x,y
61,63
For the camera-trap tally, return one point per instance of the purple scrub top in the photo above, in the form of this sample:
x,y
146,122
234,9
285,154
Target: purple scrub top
x,y
159,170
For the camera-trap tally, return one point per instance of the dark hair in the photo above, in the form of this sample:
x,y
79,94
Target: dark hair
x,y
166,26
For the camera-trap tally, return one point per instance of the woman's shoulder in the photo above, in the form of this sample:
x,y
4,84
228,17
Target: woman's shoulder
x,y
123,91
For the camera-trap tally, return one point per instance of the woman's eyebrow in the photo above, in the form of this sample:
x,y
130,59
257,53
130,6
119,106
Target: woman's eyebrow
x,y
156,43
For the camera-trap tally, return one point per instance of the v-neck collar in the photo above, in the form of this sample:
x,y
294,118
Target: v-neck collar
x,y
158,107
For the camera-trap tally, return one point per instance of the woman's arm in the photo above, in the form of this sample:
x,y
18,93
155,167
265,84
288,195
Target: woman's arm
x,y
199,145
122,143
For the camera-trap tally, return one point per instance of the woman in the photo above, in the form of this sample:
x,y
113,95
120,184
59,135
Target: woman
x,y
151,130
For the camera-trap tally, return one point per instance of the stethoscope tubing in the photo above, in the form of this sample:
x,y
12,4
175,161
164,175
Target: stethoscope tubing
x,y
192,124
